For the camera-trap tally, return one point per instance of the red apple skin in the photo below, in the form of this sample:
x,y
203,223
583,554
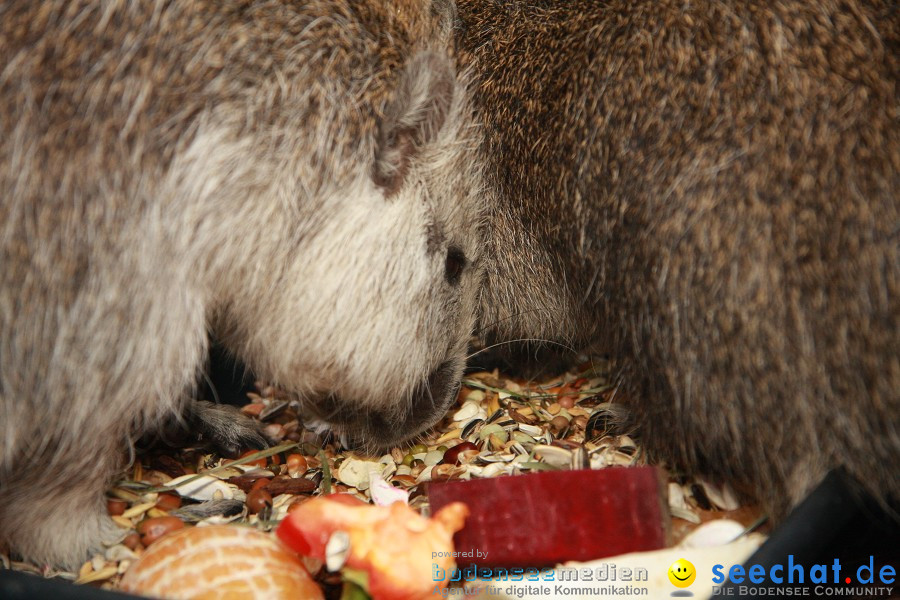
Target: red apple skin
x,y
393,544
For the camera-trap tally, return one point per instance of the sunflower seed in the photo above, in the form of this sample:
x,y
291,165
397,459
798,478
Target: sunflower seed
x,y
518,449
552,455
532,430
723,497
497,414
580,459
274,409
471,427
468,411
684,513
202,487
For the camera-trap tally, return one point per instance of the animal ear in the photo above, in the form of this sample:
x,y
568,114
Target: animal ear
x,y
414,118
446,19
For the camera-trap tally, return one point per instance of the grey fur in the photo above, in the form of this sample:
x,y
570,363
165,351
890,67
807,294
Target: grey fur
x,y
136,138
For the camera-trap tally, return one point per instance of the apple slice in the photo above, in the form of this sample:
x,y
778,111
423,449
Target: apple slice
x,y
396,546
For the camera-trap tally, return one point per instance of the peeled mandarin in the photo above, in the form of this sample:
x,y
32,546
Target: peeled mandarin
x,y
223,563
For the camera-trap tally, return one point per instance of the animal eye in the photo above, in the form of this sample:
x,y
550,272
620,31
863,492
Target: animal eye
x,y
454,265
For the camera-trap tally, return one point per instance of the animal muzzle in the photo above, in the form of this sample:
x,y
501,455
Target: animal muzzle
x,y
381,427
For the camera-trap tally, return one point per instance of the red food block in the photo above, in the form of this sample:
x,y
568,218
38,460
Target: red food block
x,y
547,518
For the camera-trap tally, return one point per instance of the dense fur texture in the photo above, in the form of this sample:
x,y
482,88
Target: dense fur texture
x,y
709,191
136,139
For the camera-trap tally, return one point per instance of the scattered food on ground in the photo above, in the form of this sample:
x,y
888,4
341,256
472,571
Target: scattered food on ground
x,y
500,426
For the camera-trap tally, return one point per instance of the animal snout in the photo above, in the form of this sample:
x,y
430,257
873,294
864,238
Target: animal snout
x,y
425,405
380,426
438,390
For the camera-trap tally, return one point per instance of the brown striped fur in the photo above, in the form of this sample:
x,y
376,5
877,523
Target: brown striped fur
x,y
707,190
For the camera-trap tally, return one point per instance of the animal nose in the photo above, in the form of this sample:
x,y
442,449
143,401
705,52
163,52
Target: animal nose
x,y
427,403
439,390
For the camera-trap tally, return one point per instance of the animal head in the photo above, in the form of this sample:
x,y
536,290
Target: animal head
x,y
365,300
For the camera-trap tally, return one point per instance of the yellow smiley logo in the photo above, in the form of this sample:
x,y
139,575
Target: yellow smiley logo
x,y
682,573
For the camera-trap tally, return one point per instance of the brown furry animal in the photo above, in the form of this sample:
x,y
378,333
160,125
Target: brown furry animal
x,y
708,190
135,139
